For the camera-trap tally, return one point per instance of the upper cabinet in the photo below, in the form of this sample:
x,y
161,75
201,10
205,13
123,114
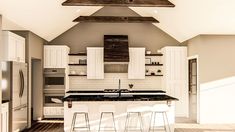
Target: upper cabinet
x,y
136,67
14,46
95,63
56,56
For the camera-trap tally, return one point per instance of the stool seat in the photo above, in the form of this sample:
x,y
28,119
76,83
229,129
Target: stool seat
x,y
135,110
83,111
159,109
108,110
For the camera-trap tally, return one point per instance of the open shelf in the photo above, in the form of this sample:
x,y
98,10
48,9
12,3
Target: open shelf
x,y
153,54
77,64
77,75
153,75
153,64
78,54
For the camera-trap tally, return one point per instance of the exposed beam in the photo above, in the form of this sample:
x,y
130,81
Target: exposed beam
x,y
115,19
125,3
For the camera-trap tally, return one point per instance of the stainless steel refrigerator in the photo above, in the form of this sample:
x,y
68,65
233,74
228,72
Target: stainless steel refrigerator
x,y
14,89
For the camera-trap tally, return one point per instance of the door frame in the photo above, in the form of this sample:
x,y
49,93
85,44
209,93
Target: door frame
x,y
198,85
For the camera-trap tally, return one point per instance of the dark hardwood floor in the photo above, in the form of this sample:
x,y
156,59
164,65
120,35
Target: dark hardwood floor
x,y
47,126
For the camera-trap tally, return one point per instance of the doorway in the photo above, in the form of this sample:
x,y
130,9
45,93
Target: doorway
x,y
37,89
193,88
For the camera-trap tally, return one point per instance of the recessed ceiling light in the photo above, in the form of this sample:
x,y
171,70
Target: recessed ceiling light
x,y
155,11
78,10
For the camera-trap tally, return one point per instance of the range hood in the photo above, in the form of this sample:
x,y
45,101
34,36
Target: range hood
x,y
116,49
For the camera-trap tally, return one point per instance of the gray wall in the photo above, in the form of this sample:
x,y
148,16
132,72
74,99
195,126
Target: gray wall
x,y
216,77
216,56
83,35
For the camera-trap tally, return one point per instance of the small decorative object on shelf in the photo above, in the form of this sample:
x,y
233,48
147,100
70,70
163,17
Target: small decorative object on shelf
x,y
148,52
147,60
147,72
82,61
152,73
131,86
159,72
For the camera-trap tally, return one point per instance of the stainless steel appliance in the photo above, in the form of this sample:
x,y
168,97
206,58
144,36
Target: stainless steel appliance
x,y
14,89
54,91
54,80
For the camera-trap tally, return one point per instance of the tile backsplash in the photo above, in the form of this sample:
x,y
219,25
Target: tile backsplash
x,y
111,82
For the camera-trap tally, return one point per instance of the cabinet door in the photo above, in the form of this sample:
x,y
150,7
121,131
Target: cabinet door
x,y
175,81
47,57
5,117
20,51
136,67
56,56
95,63
100,63
12,47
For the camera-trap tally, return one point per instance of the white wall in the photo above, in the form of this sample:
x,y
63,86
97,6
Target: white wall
x,y
111,82
216,77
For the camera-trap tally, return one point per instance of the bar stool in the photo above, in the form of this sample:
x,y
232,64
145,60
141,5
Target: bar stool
x,y
107,110
82,110
133,111
159,109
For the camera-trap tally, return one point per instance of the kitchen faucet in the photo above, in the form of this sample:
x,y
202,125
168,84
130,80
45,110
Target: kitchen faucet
x,y
119,87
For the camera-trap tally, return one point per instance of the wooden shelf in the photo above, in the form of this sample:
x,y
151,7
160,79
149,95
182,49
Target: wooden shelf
x,y
77,64
153,75
153,64
153,54
74,75
78,54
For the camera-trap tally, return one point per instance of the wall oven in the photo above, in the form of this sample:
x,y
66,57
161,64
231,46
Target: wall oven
x,y
54,86
53,99
54,79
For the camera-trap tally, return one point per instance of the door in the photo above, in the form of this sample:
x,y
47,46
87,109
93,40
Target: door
x,y
193,89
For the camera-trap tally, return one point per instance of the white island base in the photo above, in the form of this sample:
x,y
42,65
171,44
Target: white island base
x,y
119,115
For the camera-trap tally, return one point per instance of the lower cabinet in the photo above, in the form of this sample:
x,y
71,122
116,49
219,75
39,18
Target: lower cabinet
x,y
53,112
5,117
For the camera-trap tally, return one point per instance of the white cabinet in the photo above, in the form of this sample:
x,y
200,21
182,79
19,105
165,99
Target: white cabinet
x,y
14,46
136,67
95,63
5,117
175,77
56,56
53,112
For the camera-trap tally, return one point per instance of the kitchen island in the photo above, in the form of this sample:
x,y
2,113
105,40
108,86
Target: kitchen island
x,y
121,102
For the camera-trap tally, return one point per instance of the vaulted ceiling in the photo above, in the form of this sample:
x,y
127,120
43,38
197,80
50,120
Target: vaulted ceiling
x,y
189,18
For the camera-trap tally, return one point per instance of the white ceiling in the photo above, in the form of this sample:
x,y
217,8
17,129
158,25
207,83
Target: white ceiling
x,y
48,18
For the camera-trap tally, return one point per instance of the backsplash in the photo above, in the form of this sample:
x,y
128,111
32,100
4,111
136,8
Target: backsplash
x,y
111,82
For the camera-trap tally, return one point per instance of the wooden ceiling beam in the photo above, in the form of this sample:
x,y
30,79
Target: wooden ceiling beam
x,y
123,3
115,19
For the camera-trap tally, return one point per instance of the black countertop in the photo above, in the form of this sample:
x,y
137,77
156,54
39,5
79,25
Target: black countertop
x,y
122,98
101,91
5,101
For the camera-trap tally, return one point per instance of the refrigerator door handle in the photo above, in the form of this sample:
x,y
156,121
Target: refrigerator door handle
x,y
21,83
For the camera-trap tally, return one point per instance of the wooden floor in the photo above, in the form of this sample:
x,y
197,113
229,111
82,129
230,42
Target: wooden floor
x,y
46,126
57,126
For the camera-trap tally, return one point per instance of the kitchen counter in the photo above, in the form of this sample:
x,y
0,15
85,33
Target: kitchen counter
x,y
101,91
121,98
